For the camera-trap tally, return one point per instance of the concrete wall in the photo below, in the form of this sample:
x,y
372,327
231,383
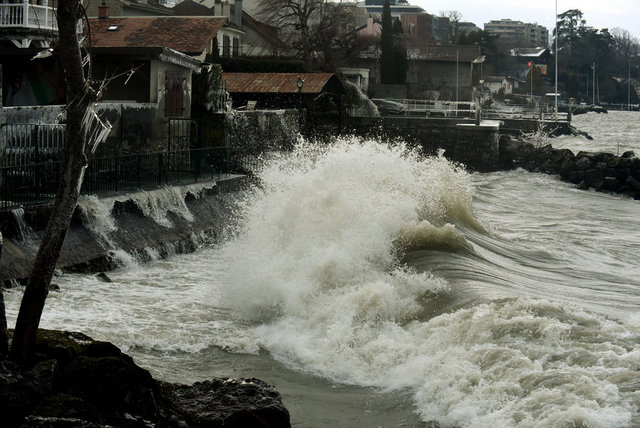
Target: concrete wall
x,y
88,249
475,146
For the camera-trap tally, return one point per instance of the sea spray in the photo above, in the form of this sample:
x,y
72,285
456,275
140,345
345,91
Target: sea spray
x,y
97,214
317,269
328,216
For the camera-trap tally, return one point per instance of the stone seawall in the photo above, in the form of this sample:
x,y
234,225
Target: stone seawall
x,y
462,141
163,221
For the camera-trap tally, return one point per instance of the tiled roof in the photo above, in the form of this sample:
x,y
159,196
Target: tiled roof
x,y
190,35
275,82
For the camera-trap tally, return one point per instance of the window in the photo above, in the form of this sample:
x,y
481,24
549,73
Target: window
x,y
236,47
226,46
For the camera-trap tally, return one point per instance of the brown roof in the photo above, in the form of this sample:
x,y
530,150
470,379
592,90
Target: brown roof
x,y
275,82
189,35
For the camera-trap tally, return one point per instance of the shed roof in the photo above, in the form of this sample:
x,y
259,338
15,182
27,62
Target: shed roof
x,y
276,82
190,35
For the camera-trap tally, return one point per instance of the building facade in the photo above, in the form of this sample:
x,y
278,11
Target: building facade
x,y
518,34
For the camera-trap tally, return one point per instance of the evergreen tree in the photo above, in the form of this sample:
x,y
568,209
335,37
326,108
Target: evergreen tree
x,y
399,54
387,68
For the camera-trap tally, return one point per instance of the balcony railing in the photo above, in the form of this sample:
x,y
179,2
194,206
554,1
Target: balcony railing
x,y
27,15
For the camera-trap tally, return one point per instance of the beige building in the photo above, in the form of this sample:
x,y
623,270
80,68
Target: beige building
x,y
518,34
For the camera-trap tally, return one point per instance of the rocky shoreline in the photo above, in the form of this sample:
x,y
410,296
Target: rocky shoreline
x,y
604,172
76,381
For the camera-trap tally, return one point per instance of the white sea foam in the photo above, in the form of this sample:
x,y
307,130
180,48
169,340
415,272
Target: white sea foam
x,y
315,277
317,269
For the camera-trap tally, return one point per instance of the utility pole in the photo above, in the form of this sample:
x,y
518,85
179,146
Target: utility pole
x,y
594,84
555,111
457,78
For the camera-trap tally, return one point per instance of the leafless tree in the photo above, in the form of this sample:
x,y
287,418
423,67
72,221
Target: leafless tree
x,y
4,341
79,116
454,18
314,29
625,44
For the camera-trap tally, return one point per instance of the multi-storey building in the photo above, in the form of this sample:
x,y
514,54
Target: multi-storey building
x,y
517,34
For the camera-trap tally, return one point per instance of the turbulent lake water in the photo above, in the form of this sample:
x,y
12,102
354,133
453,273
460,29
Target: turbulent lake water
x,y
376,288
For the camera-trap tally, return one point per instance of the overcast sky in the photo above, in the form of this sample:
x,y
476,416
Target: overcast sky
x,y
598,13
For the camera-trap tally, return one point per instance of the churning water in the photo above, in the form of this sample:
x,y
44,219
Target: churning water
x,y
375,287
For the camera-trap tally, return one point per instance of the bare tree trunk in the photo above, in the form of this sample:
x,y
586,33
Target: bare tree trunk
x,y
4,340
73,164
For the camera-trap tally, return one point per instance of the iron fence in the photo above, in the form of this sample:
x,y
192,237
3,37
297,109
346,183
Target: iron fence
x,y
37,183
28,143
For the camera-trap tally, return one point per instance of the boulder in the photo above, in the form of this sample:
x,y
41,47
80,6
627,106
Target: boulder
x,y
78,382
230,403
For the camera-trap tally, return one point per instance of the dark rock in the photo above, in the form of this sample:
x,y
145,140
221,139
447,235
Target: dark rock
x,y
628,155
594,178
635,184
230,403
54,287
103,277
17,394
112,384
78,382
54,422
611,184
66,406
583,163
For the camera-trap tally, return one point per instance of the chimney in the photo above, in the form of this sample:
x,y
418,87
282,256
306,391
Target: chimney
x,y
226,9
237,13
103,10
217,8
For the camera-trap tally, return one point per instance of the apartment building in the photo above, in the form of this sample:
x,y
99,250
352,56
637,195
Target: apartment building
x,y
518,34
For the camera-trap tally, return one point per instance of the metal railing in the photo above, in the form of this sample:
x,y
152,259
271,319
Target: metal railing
x,y
26,143
37,183
529,114
27,15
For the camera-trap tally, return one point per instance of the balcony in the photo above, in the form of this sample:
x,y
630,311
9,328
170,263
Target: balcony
x,y
26,15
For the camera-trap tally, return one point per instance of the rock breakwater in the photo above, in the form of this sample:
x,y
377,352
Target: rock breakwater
x,y
600,171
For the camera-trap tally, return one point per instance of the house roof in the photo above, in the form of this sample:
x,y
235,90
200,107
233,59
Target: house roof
x,y
443,53
268,32
189,35
276,82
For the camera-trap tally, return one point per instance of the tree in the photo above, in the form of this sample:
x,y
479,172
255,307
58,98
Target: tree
x,y
387,68
313,29
79,97
4,340
535,74
294,18
399,53
454,18
570,25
